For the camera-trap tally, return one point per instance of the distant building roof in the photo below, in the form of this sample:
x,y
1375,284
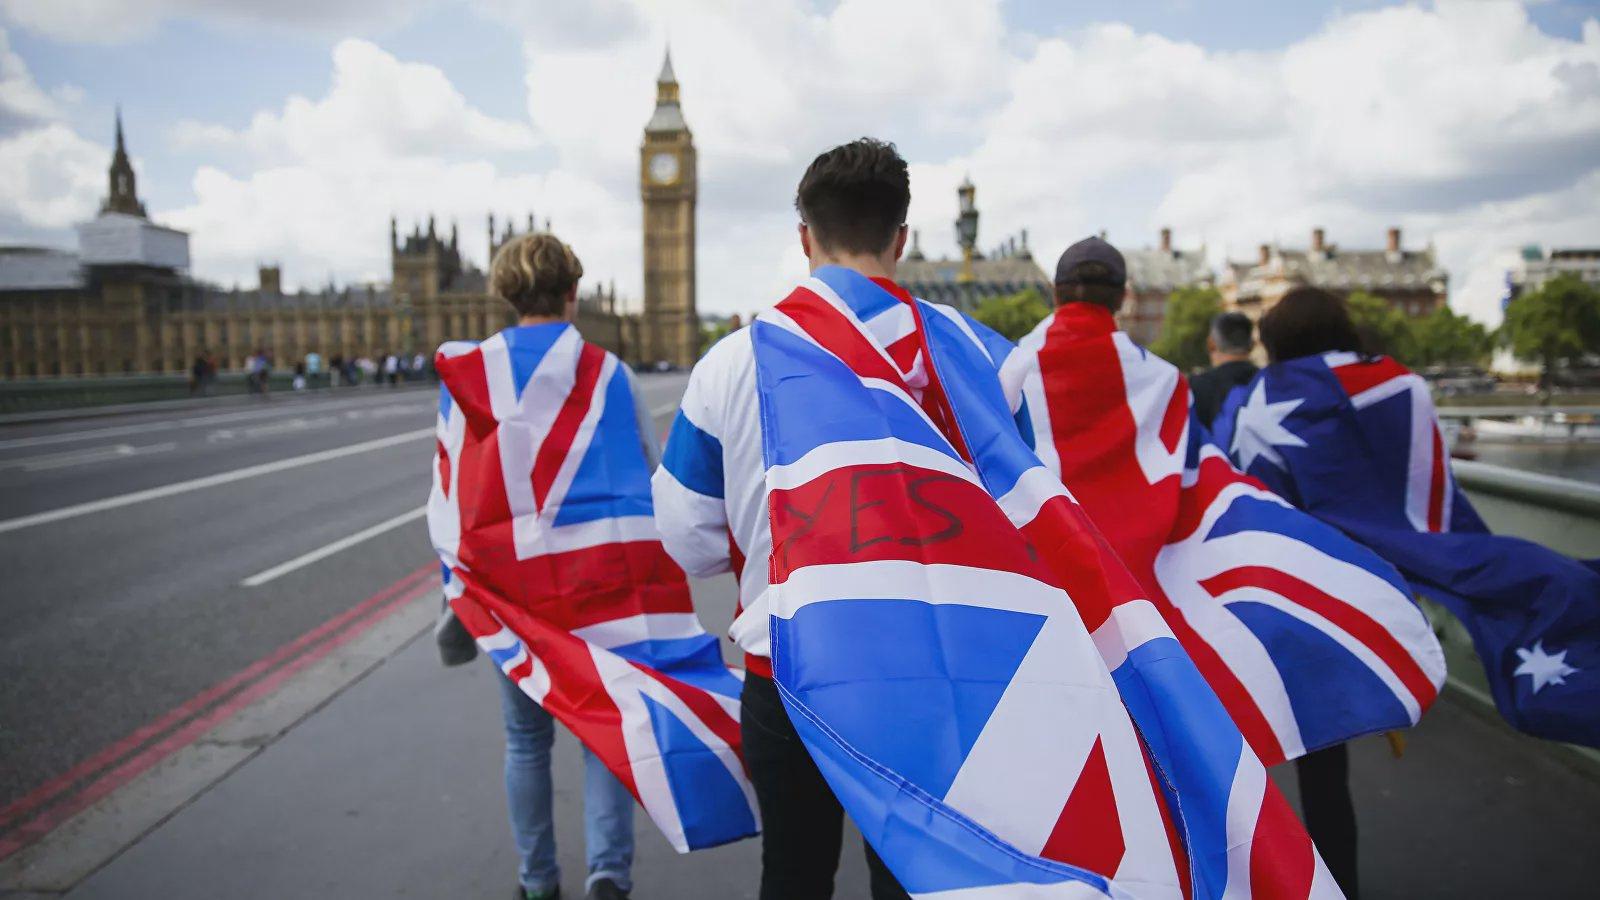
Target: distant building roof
x,y
939,280
115,238
1164,270
39,269
1330,266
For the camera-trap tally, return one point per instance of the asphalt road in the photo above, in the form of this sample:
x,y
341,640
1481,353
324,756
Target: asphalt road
x,y
118,608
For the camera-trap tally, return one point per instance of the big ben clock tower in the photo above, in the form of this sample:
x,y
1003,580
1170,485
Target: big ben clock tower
x,y
671,327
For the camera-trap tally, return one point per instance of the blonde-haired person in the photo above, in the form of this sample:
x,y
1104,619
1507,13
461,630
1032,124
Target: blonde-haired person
x,y
538,276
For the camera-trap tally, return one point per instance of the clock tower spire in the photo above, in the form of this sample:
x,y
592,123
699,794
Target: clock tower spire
x,y
670,330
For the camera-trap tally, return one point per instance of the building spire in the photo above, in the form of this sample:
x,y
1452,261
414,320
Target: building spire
x,y
667,76
122,196
668,117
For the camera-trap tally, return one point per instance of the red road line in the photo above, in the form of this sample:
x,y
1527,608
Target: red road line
x,y
249,683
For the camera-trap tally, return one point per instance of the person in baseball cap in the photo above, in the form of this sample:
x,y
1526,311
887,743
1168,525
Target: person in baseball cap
x,y
1091,271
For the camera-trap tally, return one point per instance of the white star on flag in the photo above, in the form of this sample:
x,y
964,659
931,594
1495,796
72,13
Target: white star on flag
x,y
1258,429
1544,668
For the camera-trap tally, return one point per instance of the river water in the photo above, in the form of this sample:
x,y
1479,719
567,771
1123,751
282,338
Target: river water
x,y
1578,461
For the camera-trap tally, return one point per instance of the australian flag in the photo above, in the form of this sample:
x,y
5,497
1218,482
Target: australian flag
x,y
985,688
1354,441
542,517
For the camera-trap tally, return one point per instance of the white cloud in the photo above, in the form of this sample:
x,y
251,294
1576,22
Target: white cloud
x,y
22,102
377,108
49,176
119,21
313,184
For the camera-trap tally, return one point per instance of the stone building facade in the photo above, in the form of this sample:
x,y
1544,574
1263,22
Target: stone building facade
x,y
1153,274
124,303
1410,280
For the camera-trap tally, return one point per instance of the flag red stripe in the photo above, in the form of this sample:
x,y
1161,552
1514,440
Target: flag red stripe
x,y
894,511
1360,376
1282,860
1352,620
1176,416
1436,485
1088,832
553,450
828,327
581,587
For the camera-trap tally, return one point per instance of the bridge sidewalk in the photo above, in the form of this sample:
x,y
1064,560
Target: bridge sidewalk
x,y
393,789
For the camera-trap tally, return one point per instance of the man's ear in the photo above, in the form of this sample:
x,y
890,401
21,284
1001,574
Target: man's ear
x,y
572,303
900,240
1211,344
805,240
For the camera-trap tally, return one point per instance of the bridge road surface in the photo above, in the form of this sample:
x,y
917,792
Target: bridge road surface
x,y
112,617
393,788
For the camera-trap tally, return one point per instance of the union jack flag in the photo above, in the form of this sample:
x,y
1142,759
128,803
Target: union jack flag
x,y
542,518
1354,440
996,705
1308,638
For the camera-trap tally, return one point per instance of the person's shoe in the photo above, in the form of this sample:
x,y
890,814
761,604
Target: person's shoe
x,y
525,894
606,889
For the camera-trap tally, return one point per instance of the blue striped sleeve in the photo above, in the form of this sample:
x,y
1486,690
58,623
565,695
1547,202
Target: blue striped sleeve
x,y
694,457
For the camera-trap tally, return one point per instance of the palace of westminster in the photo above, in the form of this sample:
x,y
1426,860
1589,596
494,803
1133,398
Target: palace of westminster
x,y
124,302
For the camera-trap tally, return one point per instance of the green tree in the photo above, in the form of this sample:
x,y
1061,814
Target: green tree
x,y
1558,322
1013,315
1182,341
1443,338
1383,328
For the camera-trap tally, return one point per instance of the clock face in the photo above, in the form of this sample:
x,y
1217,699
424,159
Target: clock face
x,y
664,168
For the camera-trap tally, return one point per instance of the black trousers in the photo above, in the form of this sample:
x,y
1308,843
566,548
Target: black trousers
x,y
1330,814
802,823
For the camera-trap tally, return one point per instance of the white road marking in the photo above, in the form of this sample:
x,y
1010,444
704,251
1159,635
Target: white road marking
x,y
84,457
195,484
283,427
43,440
330,549
663,410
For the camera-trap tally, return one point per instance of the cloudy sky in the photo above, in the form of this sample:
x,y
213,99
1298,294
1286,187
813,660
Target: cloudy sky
x,y
289,130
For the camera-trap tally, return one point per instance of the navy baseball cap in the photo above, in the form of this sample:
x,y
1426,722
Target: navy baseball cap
x,y
1092,250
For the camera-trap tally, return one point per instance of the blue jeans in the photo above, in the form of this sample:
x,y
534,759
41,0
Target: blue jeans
x,y
607,805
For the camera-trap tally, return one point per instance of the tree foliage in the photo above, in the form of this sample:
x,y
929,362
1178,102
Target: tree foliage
x,y
1443,338
1013,315
1383,328
1558,322
1182,341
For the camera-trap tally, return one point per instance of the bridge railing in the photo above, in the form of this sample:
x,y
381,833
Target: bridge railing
x,y
1559,513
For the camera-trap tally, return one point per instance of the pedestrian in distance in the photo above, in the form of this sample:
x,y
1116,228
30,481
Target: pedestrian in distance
x,y
1229,342
391,369
197,375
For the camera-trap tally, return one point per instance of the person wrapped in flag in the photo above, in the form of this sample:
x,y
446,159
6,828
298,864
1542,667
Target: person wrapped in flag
x,y
976,679
1352,438
1308,638
542,517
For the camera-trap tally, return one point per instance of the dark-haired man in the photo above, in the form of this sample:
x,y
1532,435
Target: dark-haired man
x,y
1231,338
712,509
